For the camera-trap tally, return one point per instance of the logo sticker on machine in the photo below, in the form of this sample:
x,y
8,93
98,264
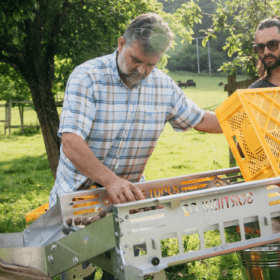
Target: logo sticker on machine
x,y
224,202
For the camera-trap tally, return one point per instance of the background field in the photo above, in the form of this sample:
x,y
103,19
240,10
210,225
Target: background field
x,y
26,179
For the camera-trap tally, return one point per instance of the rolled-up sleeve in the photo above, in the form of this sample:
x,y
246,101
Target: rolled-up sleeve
x,y
79,110
185,113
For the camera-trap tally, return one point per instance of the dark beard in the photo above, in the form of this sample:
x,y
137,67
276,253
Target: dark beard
x,y
272,66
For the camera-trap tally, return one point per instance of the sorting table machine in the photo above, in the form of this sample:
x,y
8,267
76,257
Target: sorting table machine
x,y
190,205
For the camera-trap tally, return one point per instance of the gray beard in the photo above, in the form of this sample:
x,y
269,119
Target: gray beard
x,y
130,79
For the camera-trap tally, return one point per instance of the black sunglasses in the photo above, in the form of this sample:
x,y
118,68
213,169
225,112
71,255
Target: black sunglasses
x,y
271,45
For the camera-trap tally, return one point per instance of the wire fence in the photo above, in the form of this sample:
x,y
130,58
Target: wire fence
x,y
7,111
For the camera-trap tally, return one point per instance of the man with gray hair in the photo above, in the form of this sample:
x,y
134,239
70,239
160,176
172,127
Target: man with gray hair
x,y
115,108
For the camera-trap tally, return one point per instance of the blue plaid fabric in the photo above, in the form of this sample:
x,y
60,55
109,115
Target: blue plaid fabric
x,y
121,126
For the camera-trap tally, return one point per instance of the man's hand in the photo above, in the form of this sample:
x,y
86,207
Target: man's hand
x,y
121,190
78,152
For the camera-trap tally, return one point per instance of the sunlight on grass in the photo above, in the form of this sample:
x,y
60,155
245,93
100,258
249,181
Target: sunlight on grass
x,y
194,152
26,179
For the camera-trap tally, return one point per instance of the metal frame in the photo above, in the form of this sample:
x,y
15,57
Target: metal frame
x,y
184,211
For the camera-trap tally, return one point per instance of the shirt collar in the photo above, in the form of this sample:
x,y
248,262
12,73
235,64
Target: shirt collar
x,y
114,65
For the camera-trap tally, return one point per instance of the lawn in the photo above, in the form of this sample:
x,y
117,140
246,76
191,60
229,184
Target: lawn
x,y
27,180
194,151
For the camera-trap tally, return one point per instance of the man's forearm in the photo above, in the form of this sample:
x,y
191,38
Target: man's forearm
x,y
78,152
209,124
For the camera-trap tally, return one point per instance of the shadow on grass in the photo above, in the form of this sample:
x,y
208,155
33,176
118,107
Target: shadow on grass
x,y
25,174
25,185
27,131
25,164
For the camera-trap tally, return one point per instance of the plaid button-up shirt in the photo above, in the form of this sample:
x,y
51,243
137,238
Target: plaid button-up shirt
x,y
121,126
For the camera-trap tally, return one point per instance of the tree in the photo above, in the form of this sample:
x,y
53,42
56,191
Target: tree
x,y
240,19
34,32
188,53
184,58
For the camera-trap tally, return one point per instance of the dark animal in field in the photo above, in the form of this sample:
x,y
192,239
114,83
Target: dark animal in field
x,y
180,84
221,83
190,83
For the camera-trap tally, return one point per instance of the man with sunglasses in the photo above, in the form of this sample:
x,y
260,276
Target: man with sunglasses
x,y
267,39
115,108
266,45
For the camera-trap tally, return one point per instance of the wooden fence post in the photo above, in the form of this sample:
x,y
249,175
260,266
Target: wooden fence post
x,y
10,117
21,110
231,79
6,116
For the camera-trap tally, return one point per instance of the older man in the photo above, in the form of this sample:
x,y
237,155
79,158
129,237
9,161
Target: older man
x,y
114,111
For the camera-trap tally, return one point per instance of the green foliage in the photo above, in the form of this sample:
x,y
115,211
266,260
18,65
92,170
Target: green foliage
x,y
182,21
240,19
169,247
92,28
63,67
190,13
34,34
76,31
88,28
12,84
185,59
12,16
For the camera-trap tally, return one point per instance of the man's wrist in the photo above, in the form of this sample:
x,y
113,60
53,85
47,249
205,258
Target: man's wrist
x,y
108,179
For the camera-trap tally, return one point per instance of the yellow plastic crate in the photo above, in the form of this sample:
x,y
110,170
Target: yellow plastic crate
x,y
37,213
252,118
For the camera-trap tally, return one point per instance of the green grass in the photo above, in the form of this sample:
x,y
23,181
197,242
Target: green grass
x,y
26,179
194,151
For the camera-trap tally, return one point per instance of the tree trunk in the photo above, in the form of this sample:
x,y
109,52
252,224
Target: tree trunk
x,y
35,61
38,71
21,111
49,121
45,108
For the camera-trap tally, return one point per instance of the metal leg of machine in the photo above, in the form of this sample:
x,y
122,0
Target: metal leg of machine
x,y
107,276
84,271
160,275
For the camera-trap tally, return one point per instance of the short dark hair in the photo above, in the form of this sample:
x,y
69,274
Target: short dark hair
x,y
152,22
269,22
